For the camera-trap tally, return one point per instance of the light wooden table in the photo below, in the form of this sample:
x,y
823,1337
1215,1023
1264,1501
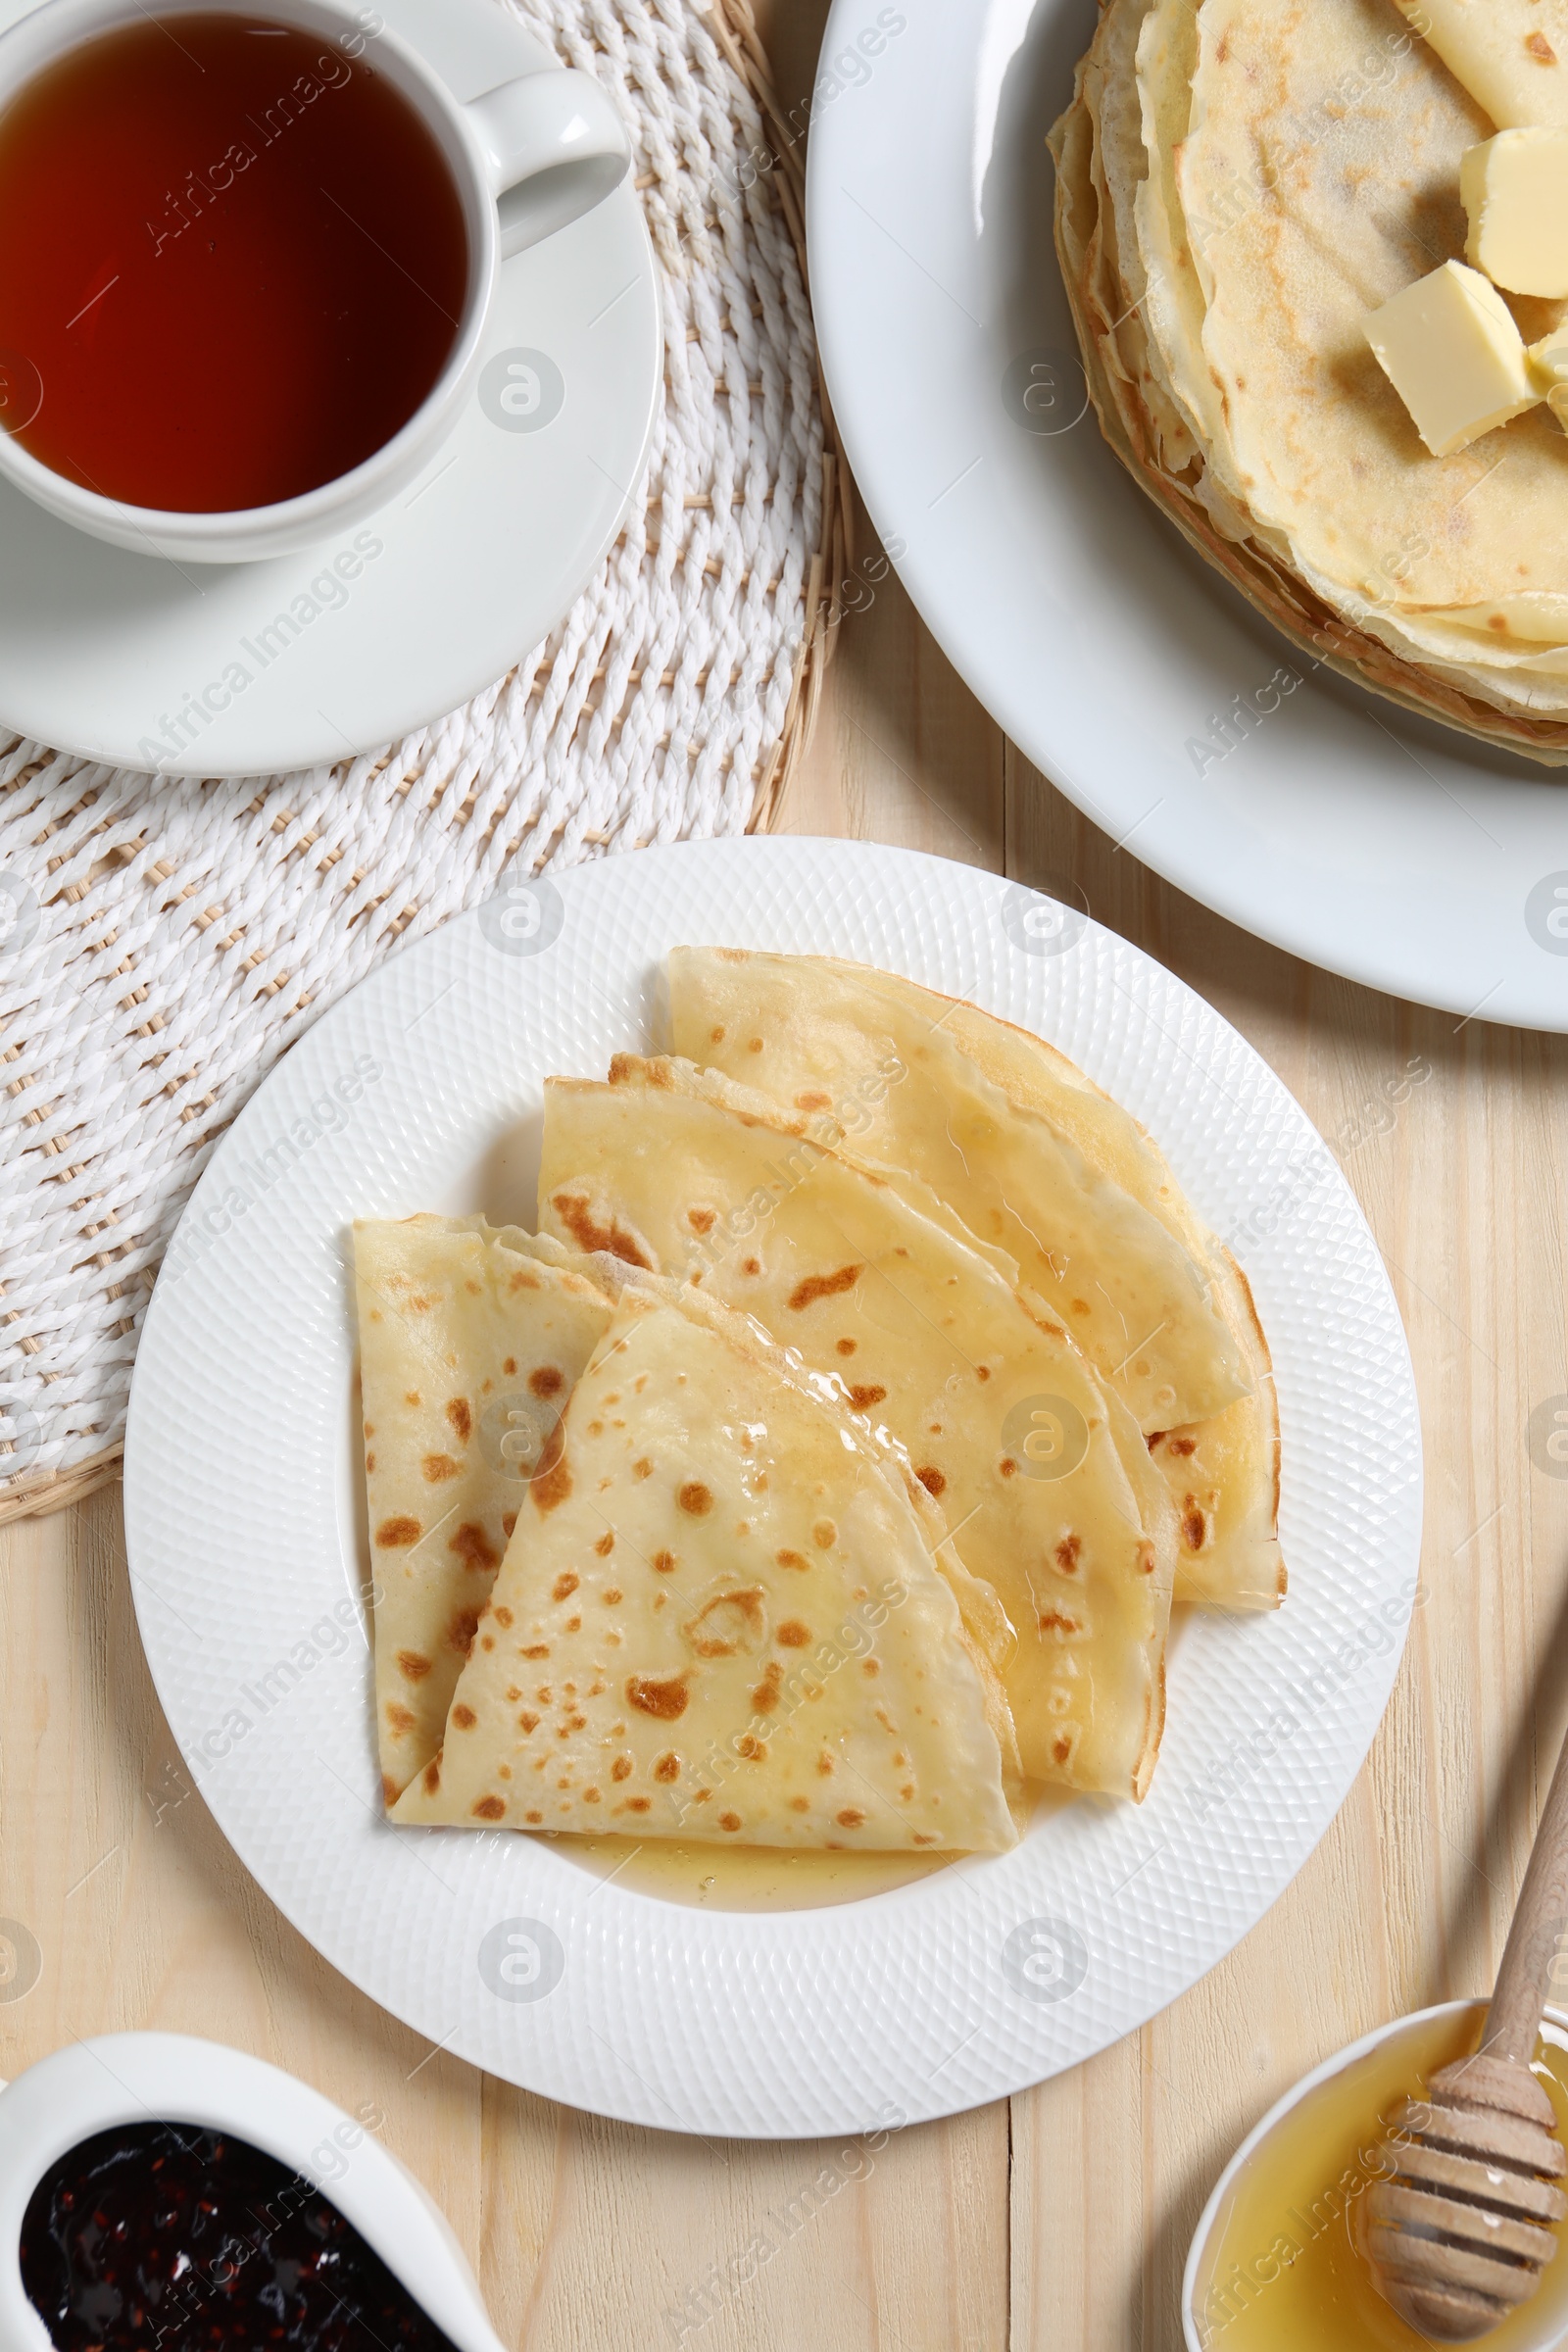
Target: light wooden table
x,y
1058,2222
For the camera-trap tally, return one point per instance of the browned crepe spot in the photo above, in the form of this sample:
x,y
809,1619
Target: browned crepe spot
x,y
592,1236
461,1630
553,1483
666,1700
824,1285
729,1622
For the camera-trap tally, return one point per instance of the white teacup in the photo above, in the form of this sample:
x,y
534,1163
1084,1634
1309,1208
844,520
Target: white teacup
x,y
525,159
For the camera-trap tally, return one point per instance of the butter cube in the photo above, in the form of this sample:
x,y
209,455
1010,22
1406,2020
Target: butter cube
x,y
1450,347
1502,54
1515,190
1549,369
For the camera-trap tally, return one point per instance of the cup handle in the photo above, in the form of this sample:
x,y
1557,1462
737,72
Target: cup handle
x,y
554,147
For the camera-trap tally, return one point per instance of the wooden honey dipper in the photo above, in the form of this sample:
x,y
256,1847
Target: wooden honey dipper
x,y
1457,2238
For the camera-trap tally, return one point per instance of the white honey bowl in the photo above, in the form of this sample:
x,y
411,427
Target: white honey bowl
x,y
173,2078
1542,2323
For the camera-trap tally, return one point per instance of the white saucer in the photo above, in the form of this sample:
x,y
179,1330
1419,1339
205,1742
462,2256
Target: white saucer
x,y
100,649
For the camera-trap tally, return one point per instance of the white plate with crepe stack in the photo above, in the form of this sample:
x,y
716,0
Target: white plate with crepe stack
x,y
847,1969
1212,714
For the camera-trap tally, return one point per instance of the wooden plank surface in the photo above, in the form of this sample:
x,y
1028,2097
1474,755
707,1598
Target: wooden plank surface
x,y
1059,2224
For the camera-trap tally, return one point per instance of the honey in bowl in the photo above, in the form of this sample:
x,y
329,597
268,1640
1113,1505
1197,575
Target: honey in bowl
x,y
232,262
1283,2272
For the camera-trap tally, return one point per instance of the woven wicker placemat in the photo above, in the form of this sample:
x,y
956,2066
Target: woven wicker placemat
x,y
162,942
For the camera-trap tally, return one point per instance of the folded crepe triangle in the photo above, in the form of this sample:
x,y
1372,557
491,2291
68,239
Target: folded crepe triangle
x,y
1033,1156
470,1341
918,1084
925,1340
726,1614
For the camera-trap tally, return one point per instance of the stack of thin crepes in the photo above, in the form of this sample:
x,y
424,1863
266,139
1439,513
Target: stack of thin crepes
x,y
1240,184
826,1466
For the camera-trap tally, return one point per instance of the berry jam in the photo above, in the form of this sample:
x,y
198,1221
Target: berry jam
x,y
158,2237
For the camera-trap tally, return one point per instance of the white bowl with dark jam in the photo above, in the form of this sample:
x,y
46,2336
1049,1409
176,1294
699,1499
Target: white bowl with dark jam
x,y
155,2189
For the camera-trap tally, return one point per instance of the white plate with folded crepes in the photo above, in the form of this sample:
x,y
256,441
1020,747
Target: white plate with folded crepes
x,y
774,1488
